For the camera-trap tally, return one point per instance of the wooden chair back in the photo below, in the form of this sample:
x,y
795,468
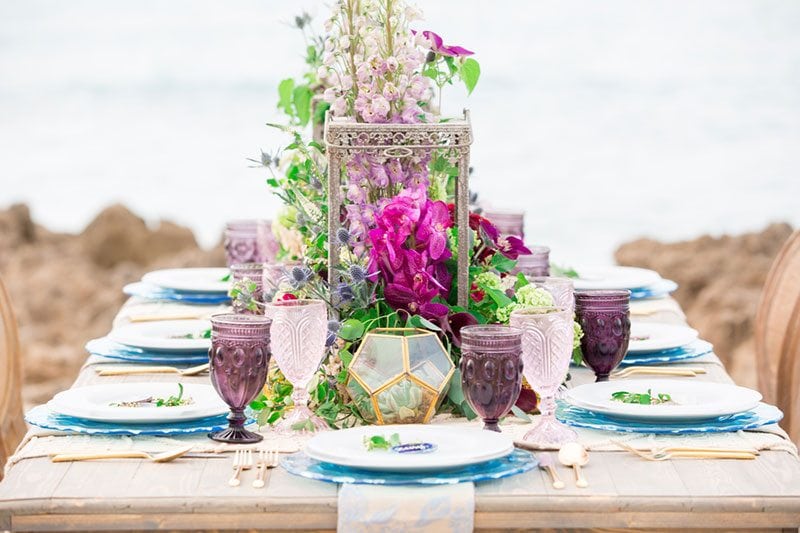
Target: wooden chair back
x,y
777,335
12,425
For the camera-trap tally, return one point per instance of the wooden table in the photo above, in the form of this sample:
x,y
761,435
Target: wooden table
x,y
625,492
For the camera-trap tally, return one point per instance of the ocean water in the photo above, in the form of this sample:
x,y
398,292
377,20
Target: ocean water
x,y
604,120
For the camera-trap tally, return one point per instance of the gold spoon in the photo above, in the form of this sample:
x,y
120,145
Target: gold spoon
x,y
575,455
130,370
164,457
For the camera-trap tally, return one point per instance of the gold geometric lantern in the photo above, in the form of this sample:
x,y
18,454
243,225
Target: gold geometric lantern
x,y
450,140
399,376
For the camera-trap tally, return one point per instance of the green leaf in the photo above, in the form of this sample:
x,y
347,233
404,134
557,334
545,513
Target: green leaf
x,y
421,322
502,263
285,89
456,392
256,405
470,72
467,410
346,356
521,281
351,329
519,413
319,112
301,98
499,297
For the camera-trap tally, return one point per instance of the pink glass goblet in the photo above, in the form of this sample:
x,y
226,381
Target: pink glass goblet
x,y
491,370
561,289
604,317
536,263
298,333
266,243
546,350
276,277
238,358
253,272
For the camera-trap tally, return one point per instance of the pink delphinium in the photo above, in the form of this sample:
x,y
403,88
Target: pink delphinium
x,y
375,62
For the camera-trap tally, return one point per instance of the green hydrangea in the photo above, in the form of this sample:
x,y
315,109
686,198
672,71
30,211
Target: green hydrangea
x,y
488,280
533,296
504,313
578,331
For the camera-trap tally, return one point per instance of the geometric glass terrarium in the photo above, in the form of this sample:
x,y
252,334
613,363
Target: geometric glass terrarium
x,y
399,376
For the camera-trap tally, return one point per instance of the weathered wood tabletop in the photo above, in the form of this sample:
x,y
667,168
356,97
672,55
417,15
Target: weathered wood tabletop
x,y
625,492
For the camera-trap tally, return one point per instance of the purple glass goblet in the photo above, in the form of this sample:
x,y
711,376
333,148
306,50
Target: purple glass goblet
x,y
536,263
507,222
491,370
604,317
546,349
239,358
253,272
241,241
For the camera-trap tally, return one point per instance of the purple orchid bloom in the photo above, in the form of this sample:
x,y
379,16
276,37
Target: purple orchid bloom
x,y
512,247
438,46
403,298
432,228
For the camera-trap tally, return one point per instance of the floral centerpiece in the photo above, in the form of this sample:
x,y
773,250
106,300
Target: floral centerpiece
x,y
395,238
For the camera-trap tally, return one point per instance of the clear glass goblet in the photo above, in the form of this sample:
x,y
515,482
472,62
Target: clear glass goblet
x,y
298,333
546,352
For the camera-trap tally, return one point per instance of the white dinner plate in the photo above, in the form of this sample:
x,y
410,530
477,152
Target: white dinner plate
x,y
452,447
164,336
649,337
95,403
190,279
693,400
614,277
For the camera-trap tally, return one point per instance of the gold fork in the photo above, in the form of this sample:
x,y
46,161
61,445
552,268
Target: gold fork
x,y
242,460
658,371
663,454
267,461
130,370
164,457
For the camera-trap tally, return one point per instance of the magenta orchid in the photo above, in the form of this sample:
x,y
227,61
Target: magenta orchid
x,y
438,46
433,229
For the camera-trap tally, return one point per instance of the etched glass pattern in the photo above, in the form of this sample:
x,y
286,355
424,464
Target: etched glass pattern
x,y
546,353
299,329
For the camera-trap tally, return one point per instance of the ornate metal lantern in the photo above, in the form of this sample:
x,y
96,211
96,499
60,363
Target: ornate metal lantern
x,y
399,376
450,140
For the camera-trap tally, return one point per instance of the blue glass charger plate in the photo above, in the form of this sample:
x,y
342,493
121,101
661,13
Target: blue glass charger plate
x,y
673,355
154,292
43,417
762,415
105,347
656,290
517,462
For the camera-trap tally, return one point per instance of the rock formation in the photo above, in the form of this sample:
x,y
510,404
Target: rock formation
x,y
720,280
66,288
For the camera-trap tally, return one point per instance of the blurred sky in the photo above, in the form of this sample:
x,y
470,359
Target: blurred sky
x,y
604,120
